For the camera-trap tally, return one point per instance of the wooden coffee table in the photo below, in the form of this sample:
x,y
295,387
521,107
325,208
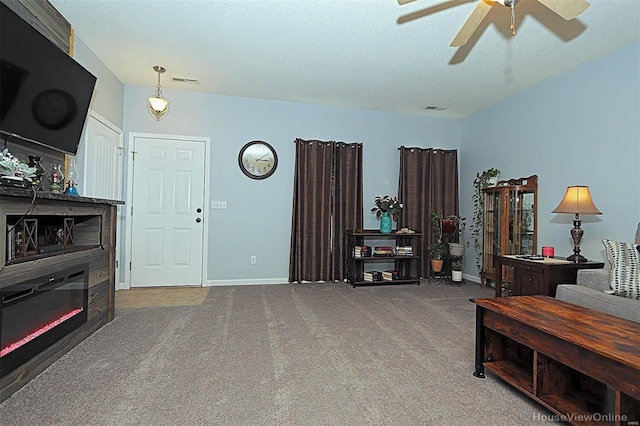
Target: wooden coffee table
x,y
581,364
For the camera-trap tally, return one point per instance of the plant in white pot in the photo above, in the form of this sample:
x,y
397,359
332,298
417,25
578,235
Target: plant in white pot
x,y
457,225
456,270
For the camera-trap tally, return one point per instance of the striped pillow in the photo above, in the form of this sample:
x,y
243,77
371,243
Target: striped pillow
x,y
625,268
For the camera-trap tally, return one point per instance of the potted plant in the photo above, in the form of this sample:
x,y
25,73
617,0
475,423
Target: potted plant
x,y
437,251
483,180
386,209
456,270
14,170
456,249
446,227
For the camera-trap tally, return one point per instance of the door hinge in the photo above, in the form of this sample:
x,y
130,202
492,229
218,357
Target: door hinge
x,y
130,265
133,153
131,210
117,263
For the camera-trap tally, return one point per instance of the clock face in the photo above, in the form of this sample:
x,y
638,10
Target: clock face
x,y
54,109
258,160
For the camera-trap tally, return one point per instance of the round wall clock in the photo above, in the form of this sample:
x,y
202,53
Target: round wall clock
x,y
258,160
54,109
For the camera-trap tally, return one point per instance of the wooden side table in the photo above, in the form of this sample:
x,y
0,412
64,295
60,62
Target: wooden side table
x,y
517,276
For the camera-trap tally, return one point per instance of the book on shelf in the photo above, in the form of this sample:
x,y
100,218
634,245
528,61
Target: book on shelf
x,y
362,251
404,251
391,275
383,251
372,276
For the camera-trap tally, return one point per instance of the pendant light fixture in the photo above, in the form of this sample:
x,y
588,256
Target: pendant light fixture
x,y
158,105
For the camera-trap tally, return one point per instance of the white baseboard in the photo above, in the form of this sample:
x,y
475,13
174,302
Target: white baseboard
x,y
259,281
472,278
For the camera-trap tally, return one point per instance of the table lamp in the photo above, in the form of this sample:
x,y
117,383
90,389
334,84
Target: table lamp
x,y
577,200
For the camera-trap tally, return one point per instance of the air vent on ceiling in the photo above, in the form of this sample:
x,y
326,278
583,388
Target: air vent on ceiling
x,y
434,108
185,80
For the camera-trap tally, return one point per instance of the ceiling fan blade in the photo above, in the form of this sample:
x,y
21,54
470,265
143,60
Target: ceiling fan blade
x,y
401,2
567,9
472,23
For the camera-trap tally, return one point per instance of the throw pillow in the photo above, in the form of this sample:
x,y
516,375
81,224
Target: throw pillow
x,y
624,259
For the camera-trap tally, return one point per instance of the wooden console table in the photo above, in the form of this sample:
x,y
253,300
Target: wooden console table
x,y
518,276
581,364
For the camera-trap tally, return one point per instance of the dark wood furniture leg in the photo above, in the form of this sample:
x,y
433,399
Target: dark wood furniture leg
x,y
479,343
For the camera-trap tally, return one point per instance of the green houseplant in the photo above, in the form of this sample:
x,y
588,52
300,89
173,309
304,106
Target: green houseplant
x,y
386,204
482,181
456,270
386,209
445,227
13,167
437,251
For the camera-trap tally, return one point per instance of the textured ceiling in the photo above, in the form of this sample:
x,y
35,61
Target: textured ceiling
x,y
370,54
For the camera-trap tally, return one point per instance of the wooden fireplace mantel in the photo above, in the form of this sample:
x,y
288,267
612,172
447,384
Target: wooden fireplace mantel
x,y
93,244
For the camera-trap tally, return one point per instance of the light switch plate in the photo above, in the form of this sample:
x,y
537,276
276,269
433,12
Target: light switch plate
x,y
219,205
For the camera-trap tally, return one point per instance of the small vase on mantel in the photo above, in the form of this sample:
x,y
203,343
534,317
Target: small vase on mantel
x,y
385,223
34,161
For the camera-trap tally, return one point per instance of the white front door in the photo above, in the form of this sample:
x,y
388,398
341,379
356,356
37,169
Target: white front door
x,y
168,212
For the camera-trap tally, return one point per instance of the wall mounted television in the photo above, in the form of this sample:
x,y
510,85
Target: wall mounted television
x,y
44,93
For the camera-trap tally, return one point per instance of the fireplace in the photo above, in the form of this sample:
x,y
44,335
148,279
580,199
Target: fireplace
x,y
37,313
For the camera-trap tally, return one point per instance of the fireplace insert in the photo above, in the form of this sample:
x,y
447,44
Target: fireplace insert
x,y
39,312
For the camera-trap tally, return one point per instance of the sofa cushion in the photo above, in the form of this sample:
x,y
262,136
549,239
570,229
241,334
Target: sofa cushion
x,y
609,304
624,259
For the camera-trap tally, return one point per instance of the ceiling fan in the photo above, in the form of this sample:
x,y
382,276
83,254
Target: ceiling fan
x,y
567,9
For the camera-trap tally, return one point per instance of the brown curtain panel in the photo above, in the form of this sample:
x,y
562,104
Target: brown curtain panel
x,y
428,181
327,200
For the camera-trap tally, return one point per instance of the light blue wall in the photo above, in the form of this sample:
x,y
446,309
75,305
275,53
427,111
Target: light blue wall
x,y
108,95
581,128
257,220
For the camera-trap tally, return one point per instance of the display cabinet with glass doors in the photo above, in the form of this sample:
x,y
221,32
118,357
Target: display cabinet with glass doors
x,y
510,223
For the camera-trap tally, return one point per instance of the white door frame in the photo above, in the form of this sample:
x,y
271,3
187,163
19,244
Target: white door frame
x,y
129,205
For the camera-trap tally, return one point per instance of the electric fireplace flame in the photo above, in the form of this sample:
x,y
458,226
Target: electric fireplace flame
x,y
40,331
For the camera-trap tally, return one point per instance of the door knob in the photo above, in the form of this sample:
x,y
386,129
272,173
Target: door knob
x,y
199,210
198,220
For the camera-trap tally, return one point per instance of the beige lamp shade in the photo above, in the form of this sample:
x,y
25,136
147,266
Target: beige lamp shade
x,y
577,199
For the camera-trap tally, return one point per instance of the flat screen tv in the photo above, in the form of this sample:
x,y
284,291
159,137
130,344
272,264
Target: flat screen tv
x,y
44,93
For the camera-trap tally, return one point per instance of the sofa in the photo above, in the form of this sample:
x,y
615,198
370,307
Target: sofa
x,y
593,288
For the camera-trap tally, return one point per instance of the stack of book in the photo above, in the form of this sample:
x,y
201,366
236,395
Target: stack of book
x,y
362,251
372,276
404,251
391,275
383,251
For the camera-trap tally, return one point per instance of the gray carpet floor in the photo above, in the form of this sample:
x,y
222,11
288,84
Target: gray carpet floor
x,y
292,354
